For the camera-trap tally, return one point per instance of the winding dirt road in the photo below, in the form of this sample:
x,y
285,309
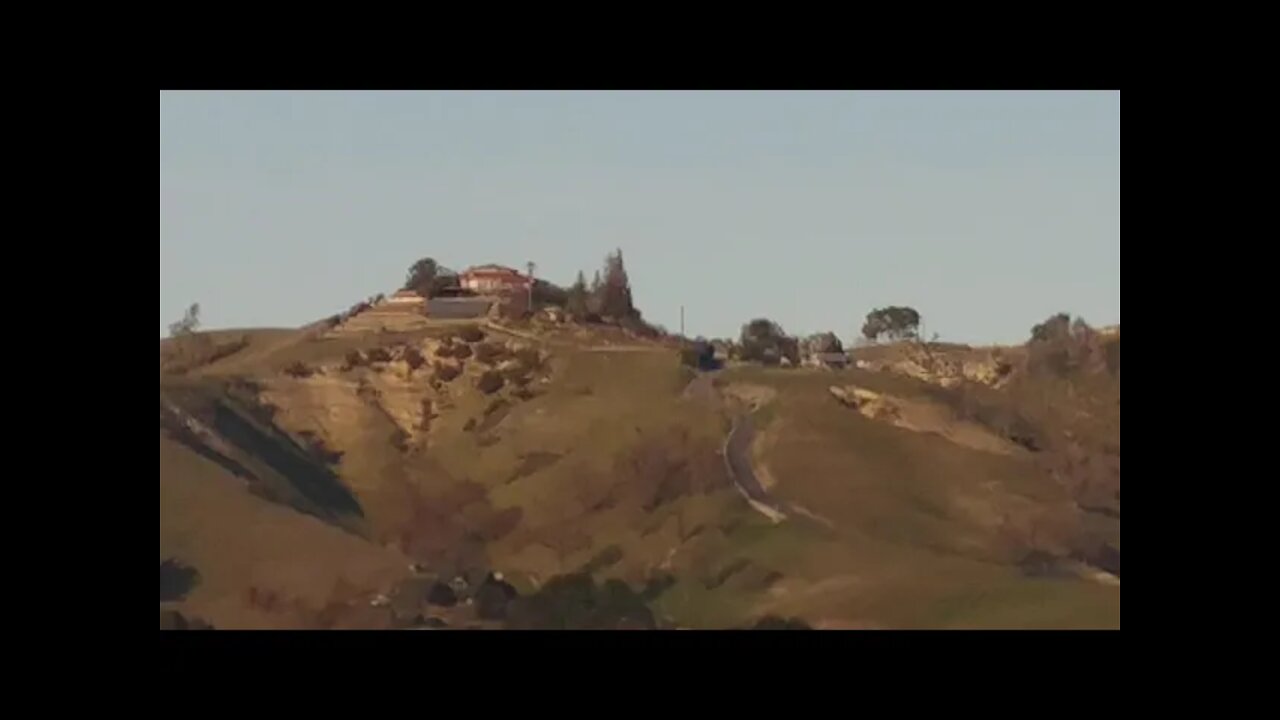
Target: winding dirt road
x,y
737,457
737,449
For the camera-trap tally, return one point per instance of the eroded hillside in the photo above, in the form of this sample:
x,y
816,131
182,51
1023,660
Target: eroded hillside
x,y
318,481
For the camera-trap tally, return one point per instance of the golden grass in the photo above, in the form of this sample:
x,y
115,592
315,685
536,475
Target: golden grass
x,y
238,541
917,519
917,536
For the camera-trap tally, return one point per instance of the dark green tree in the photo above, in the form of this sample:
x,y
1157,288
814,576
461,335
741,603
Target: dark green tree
x,y
822,343
1057,327
763,340
615,290
429,279
422,275
189,323
546,294
892,323
577,301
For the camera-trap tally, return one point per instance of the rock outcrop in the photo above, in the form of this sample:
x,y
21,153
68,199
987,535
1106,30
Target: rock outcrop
x,y
947,369
406,389
920,416
871,404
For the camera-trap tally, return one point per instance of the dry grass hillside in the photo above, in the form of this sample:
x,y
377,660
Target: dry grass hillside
x,y
318,481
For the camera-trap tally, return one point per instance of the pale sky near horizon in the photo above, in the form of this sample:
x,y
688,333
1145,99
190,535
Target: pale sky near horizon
x,y
986,211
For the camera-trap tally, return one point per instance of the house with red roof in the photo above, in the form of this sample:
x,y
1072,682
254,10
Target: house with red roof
x,y
494,280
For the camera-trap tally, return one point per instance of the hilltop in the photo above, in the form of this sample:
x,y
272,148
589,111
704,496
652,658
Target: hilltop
x,y
556,469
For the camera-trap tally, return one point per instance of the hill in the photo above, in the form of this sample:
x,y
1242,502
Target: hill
x,y
576,477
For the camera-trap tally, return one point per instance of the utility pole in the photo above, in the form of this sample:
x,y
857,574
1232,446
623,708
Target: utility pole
x,y
681,321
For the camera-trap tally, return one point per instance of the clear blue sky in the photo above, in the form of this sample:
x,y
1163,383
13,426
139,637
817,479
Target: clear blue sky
x,y
986,211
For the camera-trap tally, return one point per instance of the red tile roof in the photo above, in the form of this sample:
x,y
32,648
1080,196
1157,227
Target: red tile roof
x,y
492,270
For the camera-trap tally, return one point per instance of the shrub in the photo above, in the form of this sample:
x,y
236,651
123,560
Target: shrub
x,y
446,373
400,440
529,357
442,595
623,607
490,382
657,584
176,580
573,602
462,352
773,622
491,353
1112,354
379,355
492,599
298,369
414,358
471,334
174,620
